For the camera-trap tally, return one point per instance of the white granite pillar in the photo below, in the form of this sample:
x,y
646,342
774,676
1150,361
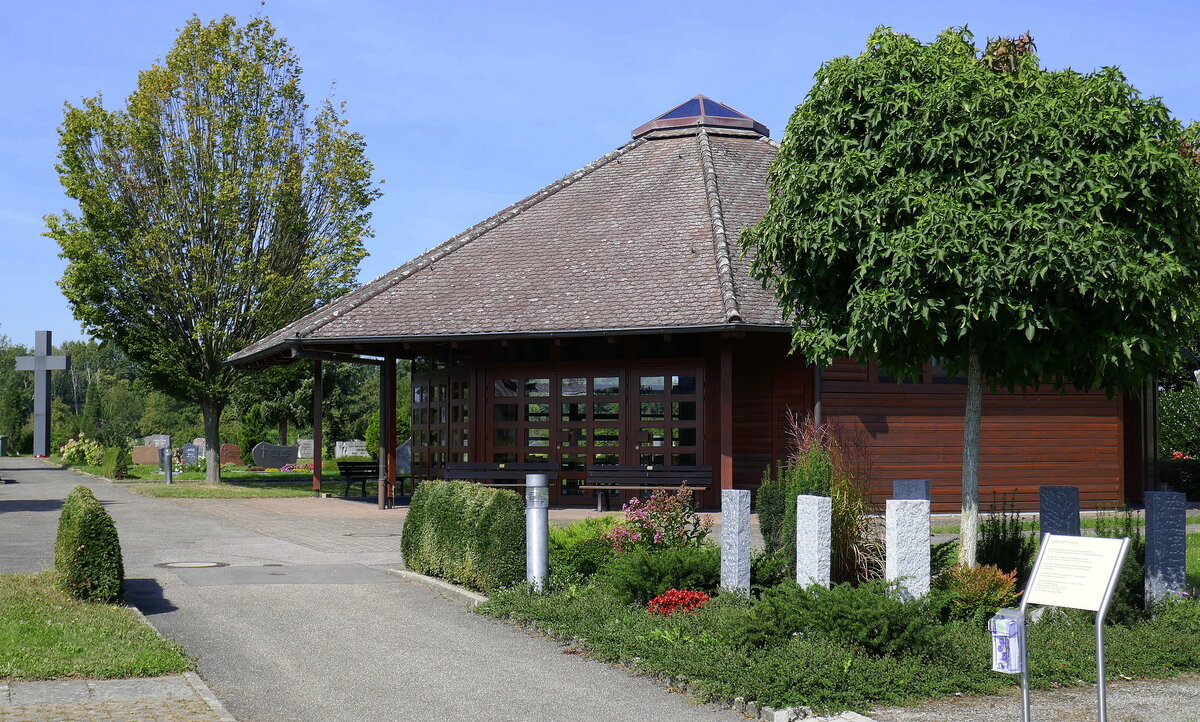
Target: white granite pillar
x,y
907,540
735,540
814,539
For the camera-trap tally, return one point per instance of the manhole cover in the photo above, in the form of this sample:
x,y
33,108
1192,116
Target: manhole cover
x,y
374,535
190,565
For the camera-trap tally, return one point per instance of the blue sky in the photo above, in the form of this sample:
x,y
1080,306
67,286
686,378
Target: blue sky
x,y
469,106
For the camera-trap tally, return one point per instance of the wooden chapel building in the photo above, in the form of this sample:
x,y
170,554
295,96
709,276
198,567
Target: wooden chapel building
x,y
610,318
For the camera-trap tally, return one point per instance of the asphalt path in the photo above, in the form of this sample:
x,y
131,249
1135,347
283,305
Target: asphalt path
x,y
304,623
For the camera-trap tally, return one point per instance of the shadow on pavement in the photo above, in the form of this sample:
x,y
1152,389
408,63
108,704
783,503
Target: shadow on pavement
x,y
147,595
7,469
30,505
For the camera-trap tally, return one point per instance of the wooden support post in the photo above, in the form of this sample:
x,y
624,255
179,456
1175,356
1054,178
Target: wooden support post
x,y
726,433
318,402
388,430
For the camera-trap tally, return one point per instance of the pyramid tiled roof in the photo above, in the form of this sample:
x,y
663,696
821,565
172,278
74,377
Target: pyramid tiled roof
x,y
644,238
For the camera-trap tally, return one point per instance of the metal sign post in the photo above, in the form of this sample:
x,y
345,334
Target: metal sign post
x,y
537,531
1080,573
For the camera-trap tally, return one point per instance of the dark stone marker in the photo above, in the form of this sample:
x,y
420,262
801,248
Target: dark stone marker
x,y
1058,510
911,489
190,453
1166,544
41,363
273,456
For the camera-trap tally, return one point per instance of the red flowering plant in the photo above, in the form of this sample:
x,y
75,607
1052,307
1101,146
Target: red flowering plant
x,y
666,520
1178,455
675,601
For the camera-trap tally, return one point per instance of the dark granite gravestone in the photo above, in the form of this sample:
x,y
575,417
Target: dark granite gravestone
x,y
190,454
1166,544
911,489
273,456
231,454
1058,510
41,363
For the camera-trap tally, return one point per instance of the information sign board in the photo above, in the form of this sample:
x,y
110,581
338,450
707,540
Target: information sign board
x,y
1074,571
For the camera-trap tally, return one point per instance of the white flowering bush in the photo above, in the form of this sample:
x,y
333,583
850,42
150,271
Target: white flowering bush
x,y
81,451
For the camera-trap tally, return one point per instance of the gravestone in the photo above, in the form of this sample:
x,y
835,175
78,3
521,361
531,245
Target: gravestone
x,y
201,444
907,541
911,489
231,454
1166,544
159,440
41,363
304,448
404,458
144,455
190,453
273,456
354,447
735,540
1058,510
814,539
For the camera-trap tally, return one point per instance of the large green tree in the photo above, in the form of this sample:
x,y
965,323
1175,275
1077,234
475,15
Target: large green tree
x,y
1028,226
214,208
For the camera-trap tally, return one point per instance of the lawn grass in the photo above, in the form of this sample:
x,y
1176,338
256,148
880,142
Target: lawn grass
x,y
238,490
45,634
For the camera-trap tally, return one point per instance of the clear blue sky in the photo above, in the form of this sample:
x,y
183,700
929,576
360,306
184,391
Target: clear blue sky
x,y
469,106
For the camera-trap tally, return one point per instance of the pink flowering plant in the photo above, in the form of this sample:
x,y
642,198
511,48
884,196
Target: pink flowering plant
x,y
666,520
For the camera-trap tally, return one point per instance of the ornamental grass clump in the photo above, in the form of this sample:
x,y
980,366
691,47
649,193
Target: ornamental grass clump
x,y
824,459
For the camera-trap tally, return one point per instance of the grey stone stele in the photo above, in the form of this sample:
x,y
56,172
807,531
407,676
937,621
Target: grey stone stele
x,y
735,540
1166,544
1058,510
814,539
911,489
907,540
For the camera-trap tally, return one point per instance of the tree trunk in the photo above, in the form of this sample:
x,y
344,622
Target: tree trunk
x,y
283,431
968,535
212,439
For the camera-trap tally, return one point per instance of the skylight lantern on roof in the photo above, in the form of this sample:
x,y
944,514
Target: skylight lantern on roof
x,y
702,112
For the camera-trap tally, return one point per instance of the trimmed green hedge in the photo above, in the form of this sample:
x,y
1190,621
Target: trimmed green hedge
x,y
116,463
87,551
466,533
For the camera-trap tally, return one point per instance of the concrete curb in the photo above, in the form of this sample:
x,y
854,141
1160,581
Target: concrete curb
x,y
455,592
193,679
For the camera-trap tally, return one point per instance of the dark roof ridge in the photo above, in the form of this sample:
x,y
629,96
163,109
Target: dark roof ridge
x,y
373,288
729,300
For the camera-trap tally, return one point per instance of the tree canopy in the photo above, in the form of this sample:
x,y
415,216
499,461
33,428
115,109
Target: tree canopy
x,y
936,200
214,208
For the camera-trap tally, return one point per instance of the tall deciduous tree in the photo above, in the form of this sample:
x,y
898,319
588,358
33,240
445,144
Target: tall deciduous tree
x,y
1028,226
213,209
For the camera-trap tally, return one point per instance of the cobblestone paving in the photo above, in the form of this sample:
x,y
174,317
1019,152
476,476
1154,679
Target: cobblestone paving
x,y
170,699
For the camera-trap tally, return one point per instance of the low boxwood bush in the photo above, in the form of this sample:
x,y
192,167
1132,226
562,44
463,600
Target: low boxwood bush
x,y
640,575
88,551
466,533
579,548
116,463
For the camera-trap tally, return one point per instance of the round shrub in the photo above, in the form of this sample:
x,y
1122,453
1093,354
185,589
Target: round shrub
x,y
92,568
978,591
580,548
67,526
642,574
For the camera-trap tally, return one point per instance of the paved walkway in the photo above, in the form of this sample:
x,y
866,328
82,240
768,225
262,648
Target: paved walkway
x,y
177,698
304,623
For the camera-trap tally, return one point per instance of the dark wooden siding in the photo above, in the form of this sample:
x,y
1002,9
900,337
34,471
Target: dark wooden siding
x,y
767,381
1027,439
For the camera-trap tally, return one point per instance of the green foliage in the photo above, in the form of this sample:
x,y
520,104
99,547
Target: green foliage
x,y
116,463
1179,421
88,551
665,520
639,575
254,430
77,452
826,460
924,204
111,410
1004,544
213,209
978,591
768,569
466,533
871,616
1129,598
579,548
